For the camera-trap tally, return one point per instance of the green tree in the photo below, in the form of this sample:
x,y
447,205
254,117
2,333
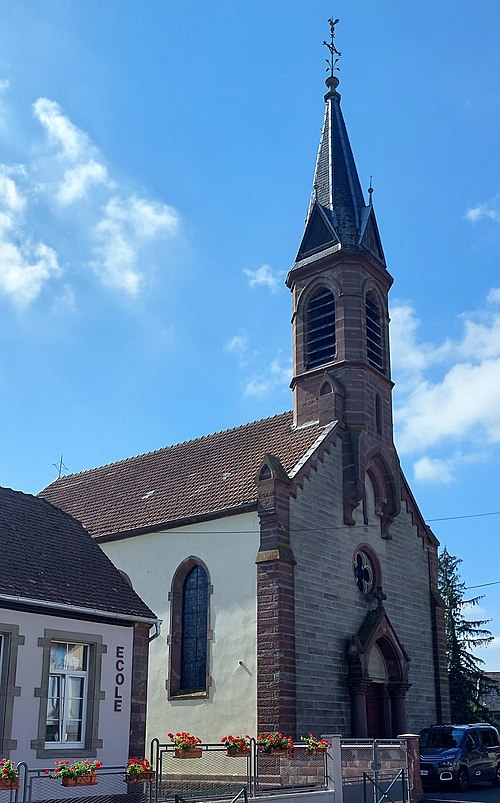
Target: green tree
x,y
465,673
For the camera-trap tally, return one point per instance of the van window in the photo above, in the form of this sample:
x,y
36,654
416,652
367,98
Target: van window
x,y
490,737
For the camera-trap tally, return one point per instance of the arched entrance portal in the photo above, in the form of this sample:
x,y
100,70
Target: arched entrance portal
x,y
378,679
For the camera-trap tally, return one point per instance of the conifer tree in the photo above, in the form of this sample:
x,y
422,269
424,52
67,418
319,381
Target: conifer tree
x,y
465,673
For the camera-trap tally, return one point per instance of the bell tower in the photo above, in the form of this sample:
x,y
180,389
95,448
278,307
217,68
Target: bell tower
x,y
340,284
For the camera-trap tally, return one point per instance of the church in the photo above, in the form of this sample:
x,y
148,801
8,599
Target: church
x,y
287,558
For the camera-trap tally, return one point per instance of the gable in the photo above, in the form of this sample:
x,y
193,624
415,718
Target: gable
x,y
319,232
370,237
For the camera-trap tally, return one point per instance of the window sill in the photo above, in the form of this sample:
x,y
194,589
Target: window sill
x,y
189,695
64,752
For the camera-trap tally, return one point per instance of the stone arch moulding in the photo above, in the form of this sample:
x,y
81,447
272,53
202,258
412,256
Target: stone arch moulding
x,y
300,328
386,490
377,632
331,398
174,638
311,287
370,287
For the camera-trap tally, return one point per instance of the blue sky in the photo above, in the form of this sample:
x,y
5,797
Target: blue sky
x,y
157,161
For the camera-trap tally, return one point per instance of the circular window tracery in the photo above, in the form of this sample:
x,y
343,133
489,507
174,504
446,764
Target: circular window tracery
x,y
364,572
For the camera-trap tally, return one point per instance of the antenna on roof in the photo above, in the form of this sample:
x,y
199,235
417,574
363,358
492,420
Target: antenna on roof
x,y
370,190
60,467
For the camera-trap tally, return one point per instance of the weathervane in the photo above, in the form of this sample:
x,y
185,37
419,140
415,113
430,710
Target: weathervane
x,y
334,53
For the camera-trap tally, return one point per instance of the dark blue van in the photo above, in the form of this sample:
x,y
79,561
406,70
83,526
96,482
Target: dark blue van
x,y
458,755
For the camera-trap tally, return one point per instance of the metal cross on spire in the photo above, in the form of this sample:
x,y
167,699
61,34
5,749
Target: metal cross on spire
x,y
334,53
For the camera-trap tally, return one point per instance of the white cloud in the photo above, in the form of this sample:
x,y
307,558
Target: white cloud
x,y
429,469
265,277
493,296
60,129
125,226
485,211
447,393
236,345
25,266
77,181
279,373
25,269
4,86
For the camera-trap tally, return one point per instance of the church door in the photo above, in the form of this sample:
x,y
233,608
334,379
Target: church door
x,y
375,711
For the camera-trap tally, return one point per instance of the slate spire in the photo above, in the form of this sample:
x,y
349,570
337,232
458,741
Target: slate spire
x,y
338,215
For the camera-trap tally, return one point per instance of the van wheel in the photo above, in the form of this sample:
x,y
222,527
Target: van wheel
x,y
496,779
462,779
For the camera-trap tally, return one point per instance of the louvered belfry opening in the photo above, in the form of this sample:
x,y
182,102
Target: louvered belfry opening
x,y
373,334
320,328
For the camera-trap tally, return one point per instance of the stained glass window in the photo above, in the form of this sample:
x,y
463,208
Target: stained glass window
x,y
194,631
364,574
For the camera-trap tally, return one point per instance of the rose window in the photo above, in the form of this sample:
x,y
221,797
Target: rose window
x,y
364,574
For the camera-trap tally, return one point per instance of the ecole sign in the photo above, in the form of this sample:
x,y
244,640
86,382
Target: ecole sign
x,y
119,678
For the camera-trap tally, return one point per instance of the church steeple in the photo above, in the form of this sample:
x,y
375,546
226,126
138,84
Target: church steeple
x,y
340,285
338,215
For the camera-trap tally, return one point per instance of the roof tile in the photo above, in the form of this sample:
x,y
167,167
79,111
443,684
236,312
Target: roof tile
x,y
195,478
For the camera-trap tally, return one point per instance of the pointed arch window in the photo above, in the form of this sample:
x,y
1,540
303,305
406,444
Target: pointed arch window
x,y
320,328
194,631
189,629
374,350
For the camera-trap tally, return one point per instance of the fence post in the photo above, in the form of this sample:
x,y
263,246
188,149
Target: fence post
x,y
334,765
414,779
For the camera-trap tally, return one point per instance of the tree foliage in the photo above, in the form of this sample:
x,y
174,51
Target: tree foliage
x,y
463,636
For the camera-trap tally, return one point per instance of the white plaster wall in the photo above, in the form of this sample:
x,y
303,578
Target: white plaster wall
x,y
113,726
228,546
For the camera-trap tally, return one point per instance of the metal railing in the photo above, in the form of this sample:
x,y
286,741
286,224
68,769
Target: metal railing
x,y
38,786
218,776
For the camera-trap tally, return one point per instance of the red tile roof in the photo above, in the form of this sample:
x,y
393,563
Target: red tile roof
x,y
48,556
191,479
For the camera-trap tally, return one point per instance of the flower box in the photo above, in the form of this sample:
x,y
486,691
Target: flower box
x,y
82,780
232,752
195,752
7,783
140,777
278,751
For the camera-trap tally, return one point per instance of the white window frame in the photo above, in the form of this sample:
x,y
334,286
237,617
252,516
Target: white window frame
x,y
94,696
64,675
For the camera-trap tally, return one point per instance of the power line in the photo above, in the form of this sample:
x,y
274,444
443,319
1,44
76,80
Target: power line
x,y
469,516
483,585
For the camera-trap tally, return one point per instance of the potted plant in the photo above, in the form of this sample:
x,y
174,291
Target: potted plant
x,y
275,743
139,770
315,746
79,773
9,775
186,746
236,745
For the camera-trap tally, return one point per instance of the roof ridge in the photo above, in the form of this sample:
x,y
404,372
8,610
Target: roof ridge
x,y
162,449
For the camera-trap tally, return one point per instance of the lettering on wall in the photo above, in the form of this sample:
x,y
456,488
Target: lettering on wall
x,y
119,678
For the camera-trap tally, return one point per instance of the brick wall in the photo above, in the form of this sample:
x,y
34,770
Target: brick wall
x,y
138,700
329,609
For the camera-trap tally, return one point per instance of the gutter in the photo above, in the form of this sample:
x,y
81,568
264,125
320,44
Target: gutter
x,y
173,524
62,606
